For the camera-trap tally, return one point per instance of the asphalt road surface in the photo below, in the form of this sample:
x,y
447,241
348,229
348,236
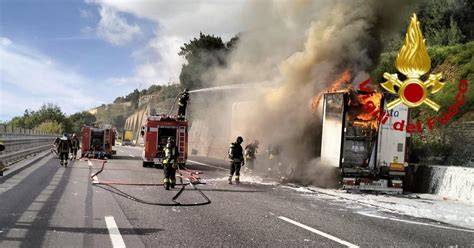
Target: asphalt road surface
x,y
44,205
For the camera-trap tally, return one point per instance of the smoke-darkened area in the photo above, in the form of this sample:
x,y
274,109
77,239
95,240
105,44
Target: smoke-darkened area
x,y
290,52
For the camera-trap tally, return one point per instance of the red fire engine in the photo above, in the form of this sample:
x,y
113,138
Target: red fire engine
x,y
155,133
97,142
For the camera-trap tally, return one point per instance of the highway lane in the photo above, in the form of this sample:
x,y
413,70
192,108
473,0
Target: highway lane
x,y
45,205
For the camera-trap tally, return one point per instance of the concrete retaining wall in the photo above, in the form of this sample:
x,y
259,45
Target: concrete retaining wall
x,y
453,182
205,141
135,122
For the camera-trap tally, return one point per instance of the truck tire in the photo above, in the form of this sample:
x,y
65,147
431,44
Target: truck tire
x,y
145,164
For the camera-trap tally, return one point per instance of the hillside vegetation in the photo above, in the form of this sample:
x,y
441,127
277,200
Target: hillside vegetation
x,y
455,62
159,97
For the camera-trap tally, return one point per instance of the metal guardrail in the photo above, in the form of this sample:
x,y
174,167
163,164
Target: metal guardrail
x,y
19,155
19,147
13,130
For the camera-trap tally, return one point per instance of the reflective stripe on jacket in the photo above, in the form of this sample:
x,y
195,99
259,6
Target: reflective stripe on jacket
x,y
75,143
170,155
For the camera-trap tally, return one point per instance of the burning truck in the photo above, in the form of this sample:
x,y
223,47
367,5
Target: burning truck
x,y
359,138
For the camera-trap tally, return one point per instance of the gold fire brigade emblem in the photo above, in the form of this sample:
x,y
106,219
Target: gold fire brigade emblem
x,y
413,61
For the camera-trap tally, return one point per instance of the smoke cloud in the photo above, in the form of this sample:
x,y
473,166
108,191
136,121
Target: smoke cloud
x,y
295,49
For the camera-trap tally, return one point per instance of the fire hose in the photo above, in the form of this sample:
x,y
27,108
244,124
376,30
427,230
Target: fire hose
x,y
183,173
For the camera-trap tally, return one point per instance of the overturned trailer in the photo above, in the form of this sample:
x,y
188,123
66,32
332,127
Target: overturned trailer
x,y
359,138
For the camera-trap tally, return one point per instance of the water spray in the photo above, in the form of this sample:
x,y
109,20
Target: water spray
x,y
232,87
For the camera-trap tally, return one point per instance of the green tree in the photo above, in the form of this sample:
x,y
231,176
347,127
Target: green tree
x,y
201,54
80,119
134,98
48,112
119,121
50,127
232,43
154,88
119,99
171,91
439,20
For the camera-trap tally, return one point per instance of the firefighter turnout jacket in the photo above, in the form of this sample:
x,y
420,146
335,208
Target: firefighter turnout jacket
x,y
75,143
64,145
250,151
236,154
171,154
183,99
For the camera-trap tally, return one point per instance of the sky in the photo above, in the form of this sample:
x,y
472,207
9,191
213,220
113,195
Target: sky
x,y
83,53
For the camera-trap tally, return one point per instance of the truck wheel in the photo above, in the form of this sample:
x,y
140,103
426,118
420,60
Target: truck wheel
x,y
158,166
145,164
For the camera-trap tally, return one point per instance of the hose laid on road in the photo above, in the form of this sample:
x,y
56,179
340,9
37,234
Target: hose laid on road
x,y
193,180
126,195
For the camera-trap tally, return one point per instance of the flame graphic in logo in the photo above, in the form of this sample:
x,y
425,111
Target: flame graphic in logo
x,y
413,61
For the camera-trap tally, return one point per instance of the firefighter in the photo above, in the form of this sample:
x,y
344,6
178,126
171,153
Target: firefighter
x,y
236,157
250,151
182,103
170,164
64,146
273,155
2,166
74,146
55,148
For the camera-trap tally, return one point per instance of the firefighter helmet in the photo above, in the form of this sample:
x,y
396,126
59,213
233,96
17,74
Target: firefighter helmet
x,y
170,139
239,139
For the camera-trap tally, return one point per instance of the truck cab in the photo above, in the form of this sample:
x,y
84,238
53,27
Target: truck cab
x,y
127,138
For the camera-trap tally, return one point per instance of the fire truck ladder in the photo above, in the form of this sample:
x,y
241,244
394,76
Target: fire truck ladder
x,y
183,174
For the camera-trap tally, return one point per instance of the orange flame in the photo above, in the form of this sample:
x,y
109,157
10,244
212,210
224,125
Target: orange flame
x,y
370,105
342,83
370,109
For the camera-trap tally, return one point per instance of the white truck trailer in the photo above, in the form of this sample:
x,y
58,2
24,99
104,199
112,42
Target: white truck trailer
x,y
358,137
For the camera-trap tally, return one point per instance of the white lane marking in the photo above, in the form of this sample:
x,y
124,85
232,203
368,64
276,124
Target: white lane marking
x,y
131,155
90,163
340,241
95,179
114,232
206,165
417,223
